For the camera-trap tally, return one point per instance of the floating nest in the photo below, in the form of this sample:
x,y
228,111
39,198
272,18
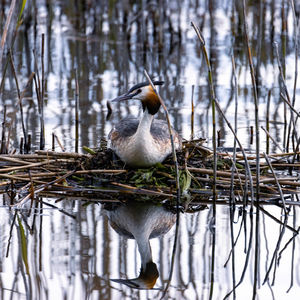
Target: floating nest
x,y
101,176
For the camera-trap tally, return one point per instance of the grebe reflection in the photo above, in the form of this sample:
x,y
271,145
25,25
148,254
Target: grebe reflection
x,y
140,221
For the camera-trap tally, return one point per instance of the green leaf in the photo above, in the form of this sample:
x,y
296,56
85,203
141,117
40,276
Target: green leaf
x,y
88,150
22,9
23,245
160,166
186,180
77,178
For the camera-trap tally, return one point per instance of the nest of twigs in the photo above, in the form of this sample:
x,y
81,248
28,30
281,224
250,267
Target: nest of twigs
x,y
101,176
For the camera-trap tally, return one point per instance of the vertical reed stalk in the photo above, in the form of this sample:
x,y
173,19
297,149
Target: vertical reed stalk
x,y
292,120
4,36
16,108
36,84
283,48
41,236
214,140
268,123
43,68
283,83
76,112
42,135
20,101
192,113
257,140
53,141
3,149
293,250
259,42
177,183
10,233
6,26
296,42
39,95
232,197
29,144
248,172
22,145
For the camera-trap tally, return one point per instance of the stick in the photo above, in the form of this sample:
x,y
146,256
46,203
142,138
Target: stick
x,y
76,112
177,182
7,23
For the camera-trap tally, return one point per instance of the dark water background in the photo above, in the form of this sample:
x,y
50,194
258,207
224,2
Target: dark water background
x,y
111,43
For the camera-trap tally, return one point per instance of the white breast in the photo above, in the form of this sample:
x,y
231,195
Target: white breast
x,y
141,149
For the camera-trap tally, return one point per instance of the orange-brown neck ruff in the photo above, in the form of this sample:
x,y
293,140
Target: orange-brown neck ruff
x,y
151,101
150,275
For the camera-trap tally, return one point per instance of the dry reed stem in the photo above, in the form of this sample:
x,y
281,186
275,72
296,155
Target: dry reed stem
x,y
32,165
59,143
61,154
14,160
6,26
178,193
13,116
289,104
192,113
273,140
214,141
56,162
277,182
76,112
41,188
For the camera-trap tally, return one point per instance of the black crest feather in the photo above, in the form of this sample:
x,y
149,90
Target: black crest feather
x,y
142,84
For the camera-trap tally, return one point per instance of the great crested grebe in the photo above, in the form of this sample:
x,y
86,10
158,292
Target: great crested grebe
x,y
141,221
144,142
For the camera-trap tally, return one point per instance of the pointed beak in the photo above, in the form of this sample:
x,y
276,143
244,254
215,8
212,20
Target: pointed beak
x,y
129,282
126,96
122,98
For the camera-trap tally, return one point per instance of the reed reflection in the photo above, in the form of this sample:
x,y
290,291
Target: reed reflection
x,y
140,221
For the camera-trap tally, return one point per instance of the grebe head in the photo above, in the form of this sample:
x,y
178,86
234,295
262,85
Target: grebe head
x,y
145,93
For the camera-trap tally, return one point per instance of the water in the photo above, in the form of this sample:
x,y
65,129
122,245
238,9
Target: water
x,y
76,258
110,44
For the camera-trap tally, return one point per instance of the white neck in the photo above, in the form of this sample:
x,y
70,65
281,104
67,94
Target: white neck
x,y
143,150
144,249
145,122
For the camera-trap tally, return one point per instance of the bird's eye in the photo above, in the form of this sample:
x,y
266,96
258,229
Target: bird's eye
x,y
135,93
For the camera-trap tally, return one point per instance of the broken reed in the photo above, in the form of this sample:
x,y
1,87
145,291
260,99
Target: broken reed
x,y
39,88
